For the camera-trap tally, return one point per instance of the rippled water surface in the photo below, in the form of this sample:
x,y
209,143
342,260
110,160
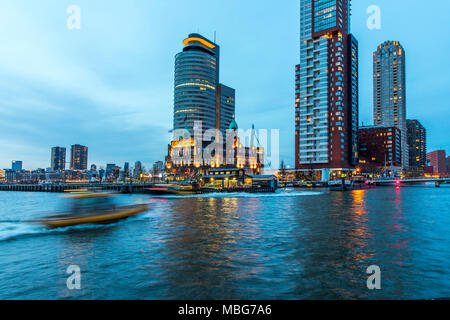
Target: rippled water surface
x,y
297,244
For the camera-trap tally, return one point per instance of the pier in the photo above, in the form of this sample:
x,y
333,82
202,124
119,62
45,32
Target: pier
x,y
406,182
60,188
122,188
378,182
144,187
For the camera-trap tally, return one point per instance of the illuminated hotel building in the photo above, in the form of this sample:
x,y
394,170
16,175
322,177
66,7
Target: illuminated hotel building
x,y
58,161
181,160
389,90
78,157
326,109
200,97
198,94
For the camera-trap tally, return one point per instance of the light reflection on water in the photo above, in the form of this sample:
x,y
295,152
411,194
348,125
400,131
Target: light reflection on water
x,y
291,245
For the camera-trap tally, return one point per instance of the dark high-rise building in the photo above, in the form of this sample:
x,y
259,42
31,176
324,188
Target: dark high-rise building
x,y
16,165
112,172
326,112
447,163
158,167
137,170
353,99
226,108
58,161
109,169
198,94
380,146
78,157
389,90
417,144
437,160
126,170
101,174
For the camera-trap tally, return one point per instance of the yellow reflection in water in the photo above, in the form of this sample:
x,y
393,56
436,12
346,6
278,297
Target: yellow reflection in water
x,y
360,235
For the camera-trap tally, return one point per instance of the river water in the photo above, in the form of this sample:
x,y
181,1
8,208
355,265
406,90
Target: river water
x,y
295,244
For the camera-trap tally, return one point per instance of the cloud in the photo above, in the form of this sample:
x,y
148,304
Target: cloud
x,y
56,90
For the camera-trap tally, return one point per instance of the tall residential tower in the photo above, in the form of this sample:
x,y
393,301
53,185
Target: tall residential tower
x,y
326,109
78,157
58,161
389,91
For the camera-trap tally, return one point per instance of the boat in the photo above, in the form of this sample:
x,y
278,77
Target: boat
x,y
351,185
92,208
172,189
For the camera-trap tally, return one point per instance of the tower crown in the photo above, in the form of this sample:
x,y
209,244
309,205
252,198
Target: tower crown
x,y
233,125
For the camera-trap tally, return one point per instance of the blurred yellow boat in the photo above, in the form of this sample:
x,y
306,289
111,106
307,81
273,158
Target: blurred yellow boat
x,y
92,208
171,189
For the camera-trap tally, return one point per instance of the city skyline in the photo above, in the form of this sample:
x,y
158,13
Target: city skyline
x,y
123,111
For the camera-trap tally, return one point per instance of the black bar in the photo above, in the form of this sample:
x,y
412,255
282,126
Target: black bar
x,y
267,309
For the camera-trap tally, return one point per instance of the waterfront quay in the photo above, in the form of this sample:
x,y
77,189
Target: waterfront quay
x,y
142,188
381,182
60,188
121,188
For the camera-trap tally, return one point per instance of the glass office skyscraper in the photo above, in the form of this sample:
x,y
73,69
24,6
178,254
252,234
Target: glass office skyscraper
x,y
326,109
198,95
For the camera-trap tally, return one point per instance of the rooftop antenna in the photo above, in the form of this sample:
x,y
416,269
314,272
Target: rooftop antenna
x,y
214,36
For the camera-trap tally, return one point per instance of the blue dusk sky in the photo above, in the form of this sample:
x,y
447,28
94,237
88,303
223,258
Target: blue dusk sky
x,y
109,85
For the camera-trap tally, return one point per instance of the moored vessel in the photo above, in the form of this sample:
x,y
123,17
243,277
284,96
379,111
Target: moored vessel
x,y
92,208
